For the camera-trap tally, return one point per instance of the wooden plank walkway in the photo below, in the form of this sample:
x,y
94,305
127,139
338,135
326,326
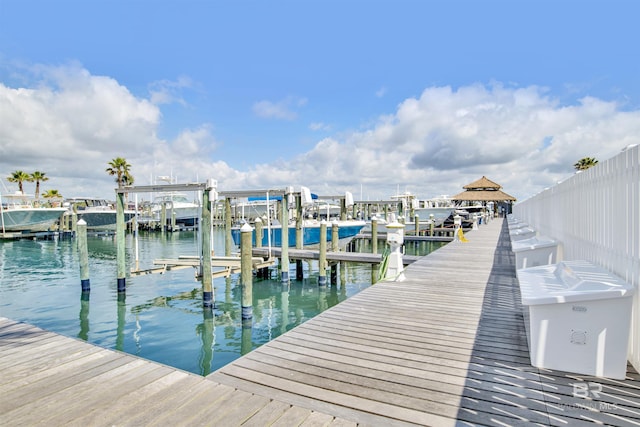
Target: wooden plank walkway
x,y
49,379
445,347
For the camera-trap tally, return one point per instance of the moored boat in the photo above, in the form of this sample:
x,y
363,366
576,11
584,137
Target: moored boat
x,y
20,213
99,214
176,204
272,235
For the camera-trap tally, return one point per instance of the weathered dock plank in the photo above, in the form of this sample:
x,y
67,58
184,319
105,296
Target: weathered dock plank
x,y
446,346
54,380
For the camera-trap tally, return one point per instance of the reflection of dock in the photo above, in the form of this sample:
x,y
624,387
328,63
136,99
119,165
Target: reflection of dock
x,y
226,265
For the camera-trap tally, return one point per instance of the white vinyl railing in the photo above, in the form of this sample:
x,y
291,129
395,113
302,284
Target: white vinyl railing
x,y
595,216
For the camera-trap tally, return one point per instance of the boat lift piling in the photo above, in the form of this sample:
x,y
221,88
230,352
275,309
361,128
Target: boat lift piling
x,y
205,221
299,235
84,256
322,259
246,271
335,247
284,257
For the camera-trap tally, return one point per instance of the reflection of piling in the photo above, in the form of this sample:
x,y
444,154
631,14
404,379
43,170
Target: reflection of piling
x,y
84,316
122,321
246,271
246,337
84,256
207,335
322,260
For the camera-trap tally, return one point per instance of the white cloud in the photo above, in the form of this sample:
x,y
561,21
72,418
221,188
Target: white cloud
x,y
435,144
283,110
319,126
71,124
167,92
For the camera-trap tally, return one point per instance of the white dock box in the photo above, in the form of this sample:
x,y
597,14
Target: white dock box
x,y
535,251
577,317
522,233
514,225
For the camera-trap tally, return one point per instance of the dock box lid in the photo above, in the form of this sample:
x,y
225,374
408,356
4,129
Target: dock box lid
x,y
569,281
521,231
532,243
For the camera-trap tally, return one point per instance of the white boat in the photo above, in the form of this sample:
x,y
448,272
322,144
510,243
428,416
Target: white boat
x,y
186,212
99,214
272,235
20,213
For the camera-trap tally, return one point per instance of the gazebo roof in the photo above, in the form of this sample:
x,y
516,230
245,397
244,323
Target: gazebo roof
x,y
483,190
482,183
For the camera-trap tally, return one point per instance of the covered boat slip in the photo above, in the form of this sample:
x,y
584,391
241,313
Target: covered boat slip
x,y
447,346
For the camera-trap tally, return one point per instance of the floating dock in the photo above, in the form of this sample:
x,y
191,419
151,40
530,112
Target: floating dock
x,y
445,347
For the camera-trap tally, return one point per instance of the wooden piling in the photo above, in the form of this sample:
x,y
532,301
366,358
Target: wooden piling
x,y
246,271
416,223
228,239
259,232
432,223
163,217
335,239
322,257
299,236
374,236
284,256
205,224
120,242
84,256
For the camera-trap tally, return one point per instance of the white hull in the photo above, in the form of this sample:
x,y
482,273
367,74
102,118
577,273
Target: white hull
x,y
30,219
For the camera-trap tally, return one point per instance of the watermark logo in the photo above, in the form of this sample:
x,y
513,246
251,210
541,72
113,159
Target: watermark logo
x,y
591,391
588,390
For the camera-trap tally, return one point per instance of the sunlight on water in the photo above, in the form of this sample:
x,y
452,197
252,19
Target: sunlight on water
x,y
160,317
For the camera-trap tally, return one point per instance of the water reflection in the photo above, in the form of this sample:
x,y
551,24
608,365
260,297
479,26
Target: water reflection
x,y
84,316
206,330
160,317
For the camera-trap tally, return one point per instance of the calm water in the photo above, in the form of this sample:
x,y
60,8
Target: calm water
x,y
160,317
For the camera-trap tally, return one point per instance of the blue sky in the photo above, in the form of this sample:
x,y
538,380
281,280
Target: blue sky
x,y
361,96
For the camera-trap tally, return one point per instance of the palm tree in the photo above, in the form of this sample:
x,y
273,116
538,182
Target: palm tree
x,y
20,177
585,163
53,194
50,194
38,177
120,168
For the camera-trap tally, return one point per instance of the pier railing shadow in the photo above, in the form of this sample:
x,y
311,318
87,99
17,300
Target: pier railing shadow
x,y
502,388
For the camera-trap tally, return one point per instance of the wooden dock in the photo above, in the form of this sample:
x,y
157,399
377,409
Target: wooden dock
x,y
445,347
341,256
